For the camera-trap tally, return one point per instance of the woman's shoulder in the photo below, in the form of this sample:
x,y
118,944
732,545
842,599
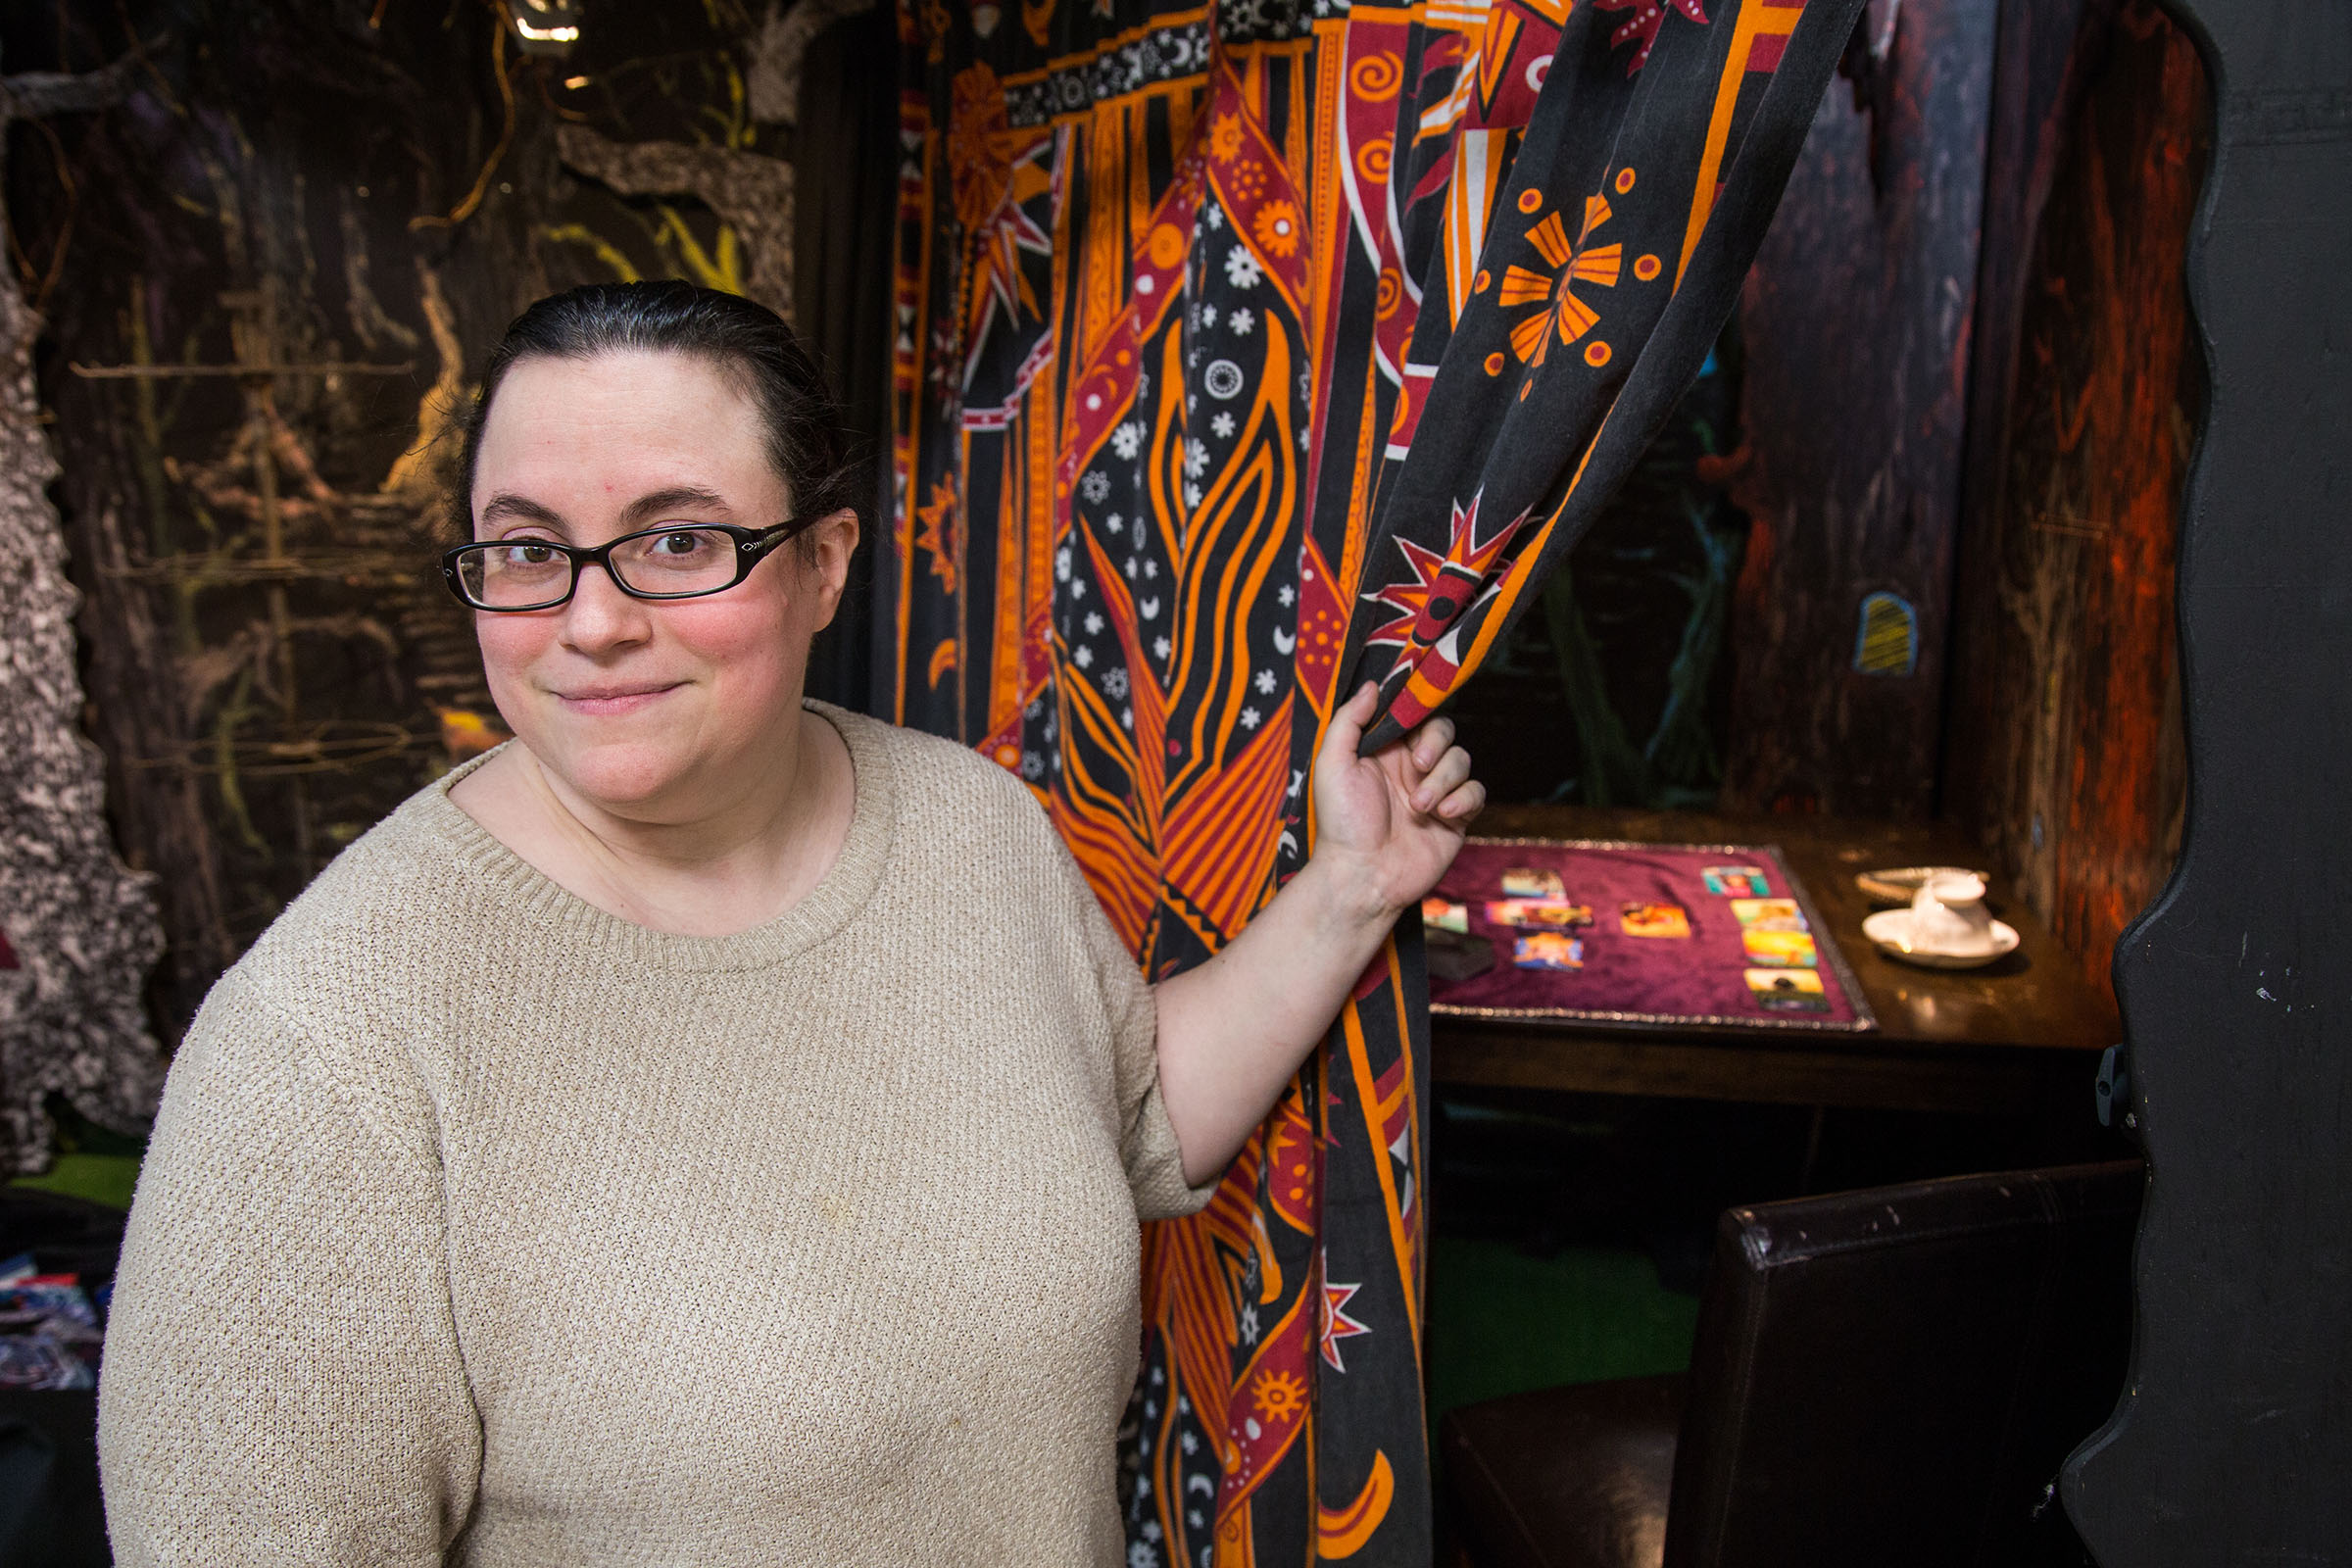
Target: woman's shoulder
x,y
351,981
398,904
933,772
949,798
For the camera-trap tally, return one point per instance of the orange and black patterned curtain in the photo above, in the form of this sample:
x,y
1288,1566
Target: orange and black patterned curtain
x,y
1243,352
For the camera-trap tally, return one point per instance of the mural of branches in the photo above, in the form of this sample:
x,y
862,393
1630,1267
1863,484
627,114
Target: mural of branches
x,y
266,273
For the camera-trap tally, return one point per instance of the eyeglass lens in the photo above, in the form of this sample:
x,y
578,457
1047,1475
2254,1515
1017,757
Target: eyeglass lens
x,y
523,572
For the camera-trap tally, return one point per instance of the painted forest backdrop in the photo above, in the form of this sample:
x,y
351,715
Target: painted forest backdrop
x,y
266,275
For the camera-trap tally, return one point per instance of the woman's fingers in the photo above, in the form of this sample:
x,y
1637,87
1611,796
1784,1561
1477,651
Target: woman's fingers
x,y
1450,771
1429,742
1465,802
1346,731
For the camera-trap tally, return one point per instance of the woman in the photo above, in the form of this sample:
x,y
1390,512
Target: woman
x,y
712,1127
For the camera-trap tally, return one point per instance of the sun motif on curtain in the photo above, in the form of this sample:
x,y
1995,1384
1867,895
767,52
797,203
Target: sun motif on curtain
x,y
1569,261
1243,352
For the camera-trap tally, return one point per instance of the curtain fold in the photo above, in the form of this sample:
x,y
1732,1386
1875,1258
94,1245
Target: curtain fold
x,y
1243,353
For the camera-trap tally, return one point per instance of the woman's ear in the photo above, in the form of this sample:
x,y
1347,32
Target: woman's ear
x,y
825,551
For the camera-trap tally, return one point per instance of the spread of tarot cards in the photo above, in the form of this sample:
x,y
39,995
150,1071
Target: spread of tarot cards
x,y
1695,935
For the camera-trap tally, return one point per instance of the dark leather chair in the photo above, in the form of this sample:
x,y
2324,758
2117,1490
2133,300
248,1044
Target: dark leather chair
x,y
1891,1376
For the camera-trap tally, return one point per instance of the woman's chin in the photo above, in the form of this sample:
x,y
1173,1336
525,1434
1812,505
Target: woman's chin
x,y
620,774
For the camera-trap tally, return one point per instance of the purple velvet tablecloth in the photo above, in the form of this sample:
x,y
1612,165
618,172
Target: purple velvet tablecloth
x,y
1723,973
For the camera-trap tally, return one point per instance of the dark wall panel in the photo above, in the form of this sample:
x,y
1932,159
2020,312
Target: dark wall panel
x,y
2067,757
1857,317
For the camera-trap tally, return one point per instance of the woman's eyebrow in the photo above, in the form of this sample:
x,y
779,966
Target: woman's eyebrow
x,y
657,506
507,506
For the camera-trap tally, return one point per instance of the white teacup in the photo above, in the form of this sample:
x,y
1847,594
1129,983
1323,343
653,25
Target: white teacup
x,y
1948,915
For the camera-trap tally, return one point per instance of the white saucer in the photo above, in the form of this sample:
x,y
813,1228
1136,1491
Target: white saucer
x,y
1890,931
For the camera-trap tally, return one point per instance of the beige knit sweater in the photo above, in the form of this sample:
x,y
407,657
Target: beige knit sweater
x,y
482,1226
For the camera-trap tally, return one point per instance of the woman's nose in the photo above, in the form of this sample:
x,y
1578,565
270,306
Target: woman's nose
x,y
600,617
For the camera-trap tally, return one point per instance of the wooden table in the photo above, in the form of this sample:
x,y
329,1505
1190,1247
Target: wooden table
x,y
2019,1036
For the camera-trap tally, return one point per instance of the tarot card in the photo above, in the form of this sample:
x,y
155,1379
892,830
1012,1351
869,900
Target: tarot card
x,y
1780,950
1539,914
1654,921
1768,914
1787,990
1548,950
1737,881
1522,883
1443,914
1453,957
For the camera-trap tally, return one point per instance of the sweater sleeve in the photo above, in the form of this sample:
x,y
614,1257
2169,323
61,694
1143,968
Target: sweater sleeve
x,y
282,1380
1148,1141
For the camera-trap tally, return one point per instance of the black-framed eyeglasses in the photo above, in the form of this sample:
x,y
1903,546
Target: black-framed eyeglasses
x,y
674,561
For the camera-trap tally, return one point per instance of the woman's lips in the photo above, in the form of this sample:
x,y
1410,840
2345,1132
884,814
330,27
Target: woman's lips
x,y
605,701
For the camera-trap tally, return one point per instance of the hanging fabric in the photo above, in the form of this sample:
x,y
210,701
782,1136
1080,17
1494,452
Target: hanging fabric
x,y
1244,353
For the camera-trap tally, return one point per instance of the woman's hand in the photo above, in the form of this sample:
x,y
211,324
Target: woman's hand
x,y
1388,826
1233,1031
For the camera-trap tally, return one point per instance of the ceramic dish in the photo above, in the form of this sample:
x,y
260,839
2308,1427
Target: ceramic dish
x,y
1890,931
1898,883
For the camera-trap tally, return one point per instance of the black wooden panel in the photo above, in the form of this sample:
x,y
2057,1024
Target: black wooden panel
x,y
2233,1442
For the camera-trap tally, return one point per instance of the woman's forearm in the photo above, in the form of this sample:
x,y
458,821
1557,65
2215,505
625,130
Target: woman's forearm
x,y
1233,1031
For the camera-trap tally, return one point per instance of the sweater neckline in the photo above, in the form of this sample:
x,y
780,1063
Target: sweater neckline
x,y
528,898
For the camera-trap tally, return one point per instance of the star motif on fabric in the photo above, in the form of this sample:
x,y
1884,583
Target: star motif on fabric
x,y
1562,314
935,533
1442,586
998,281
1337,1324
1649,16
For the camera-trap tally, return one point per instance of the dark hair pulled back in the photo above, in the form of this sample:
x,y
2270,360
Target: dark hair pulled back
x,y
750,343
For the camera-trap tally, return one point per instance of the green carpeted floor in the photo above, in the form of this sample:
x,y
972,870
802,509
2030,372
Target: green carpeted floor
x,y
1500,1321
102,1178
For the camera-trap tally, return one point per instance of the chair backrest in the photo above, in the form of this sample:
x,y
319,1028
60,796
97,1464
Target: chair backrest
x,y
1895,1375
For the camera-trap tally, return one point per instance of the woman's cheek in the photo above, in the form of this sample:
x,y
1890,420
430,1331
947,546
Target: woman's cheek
x,y
509,644
752,639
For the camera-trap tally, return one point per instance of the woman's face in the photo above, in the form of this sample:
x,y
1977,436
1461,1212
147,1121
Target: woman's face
x,y
656,710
